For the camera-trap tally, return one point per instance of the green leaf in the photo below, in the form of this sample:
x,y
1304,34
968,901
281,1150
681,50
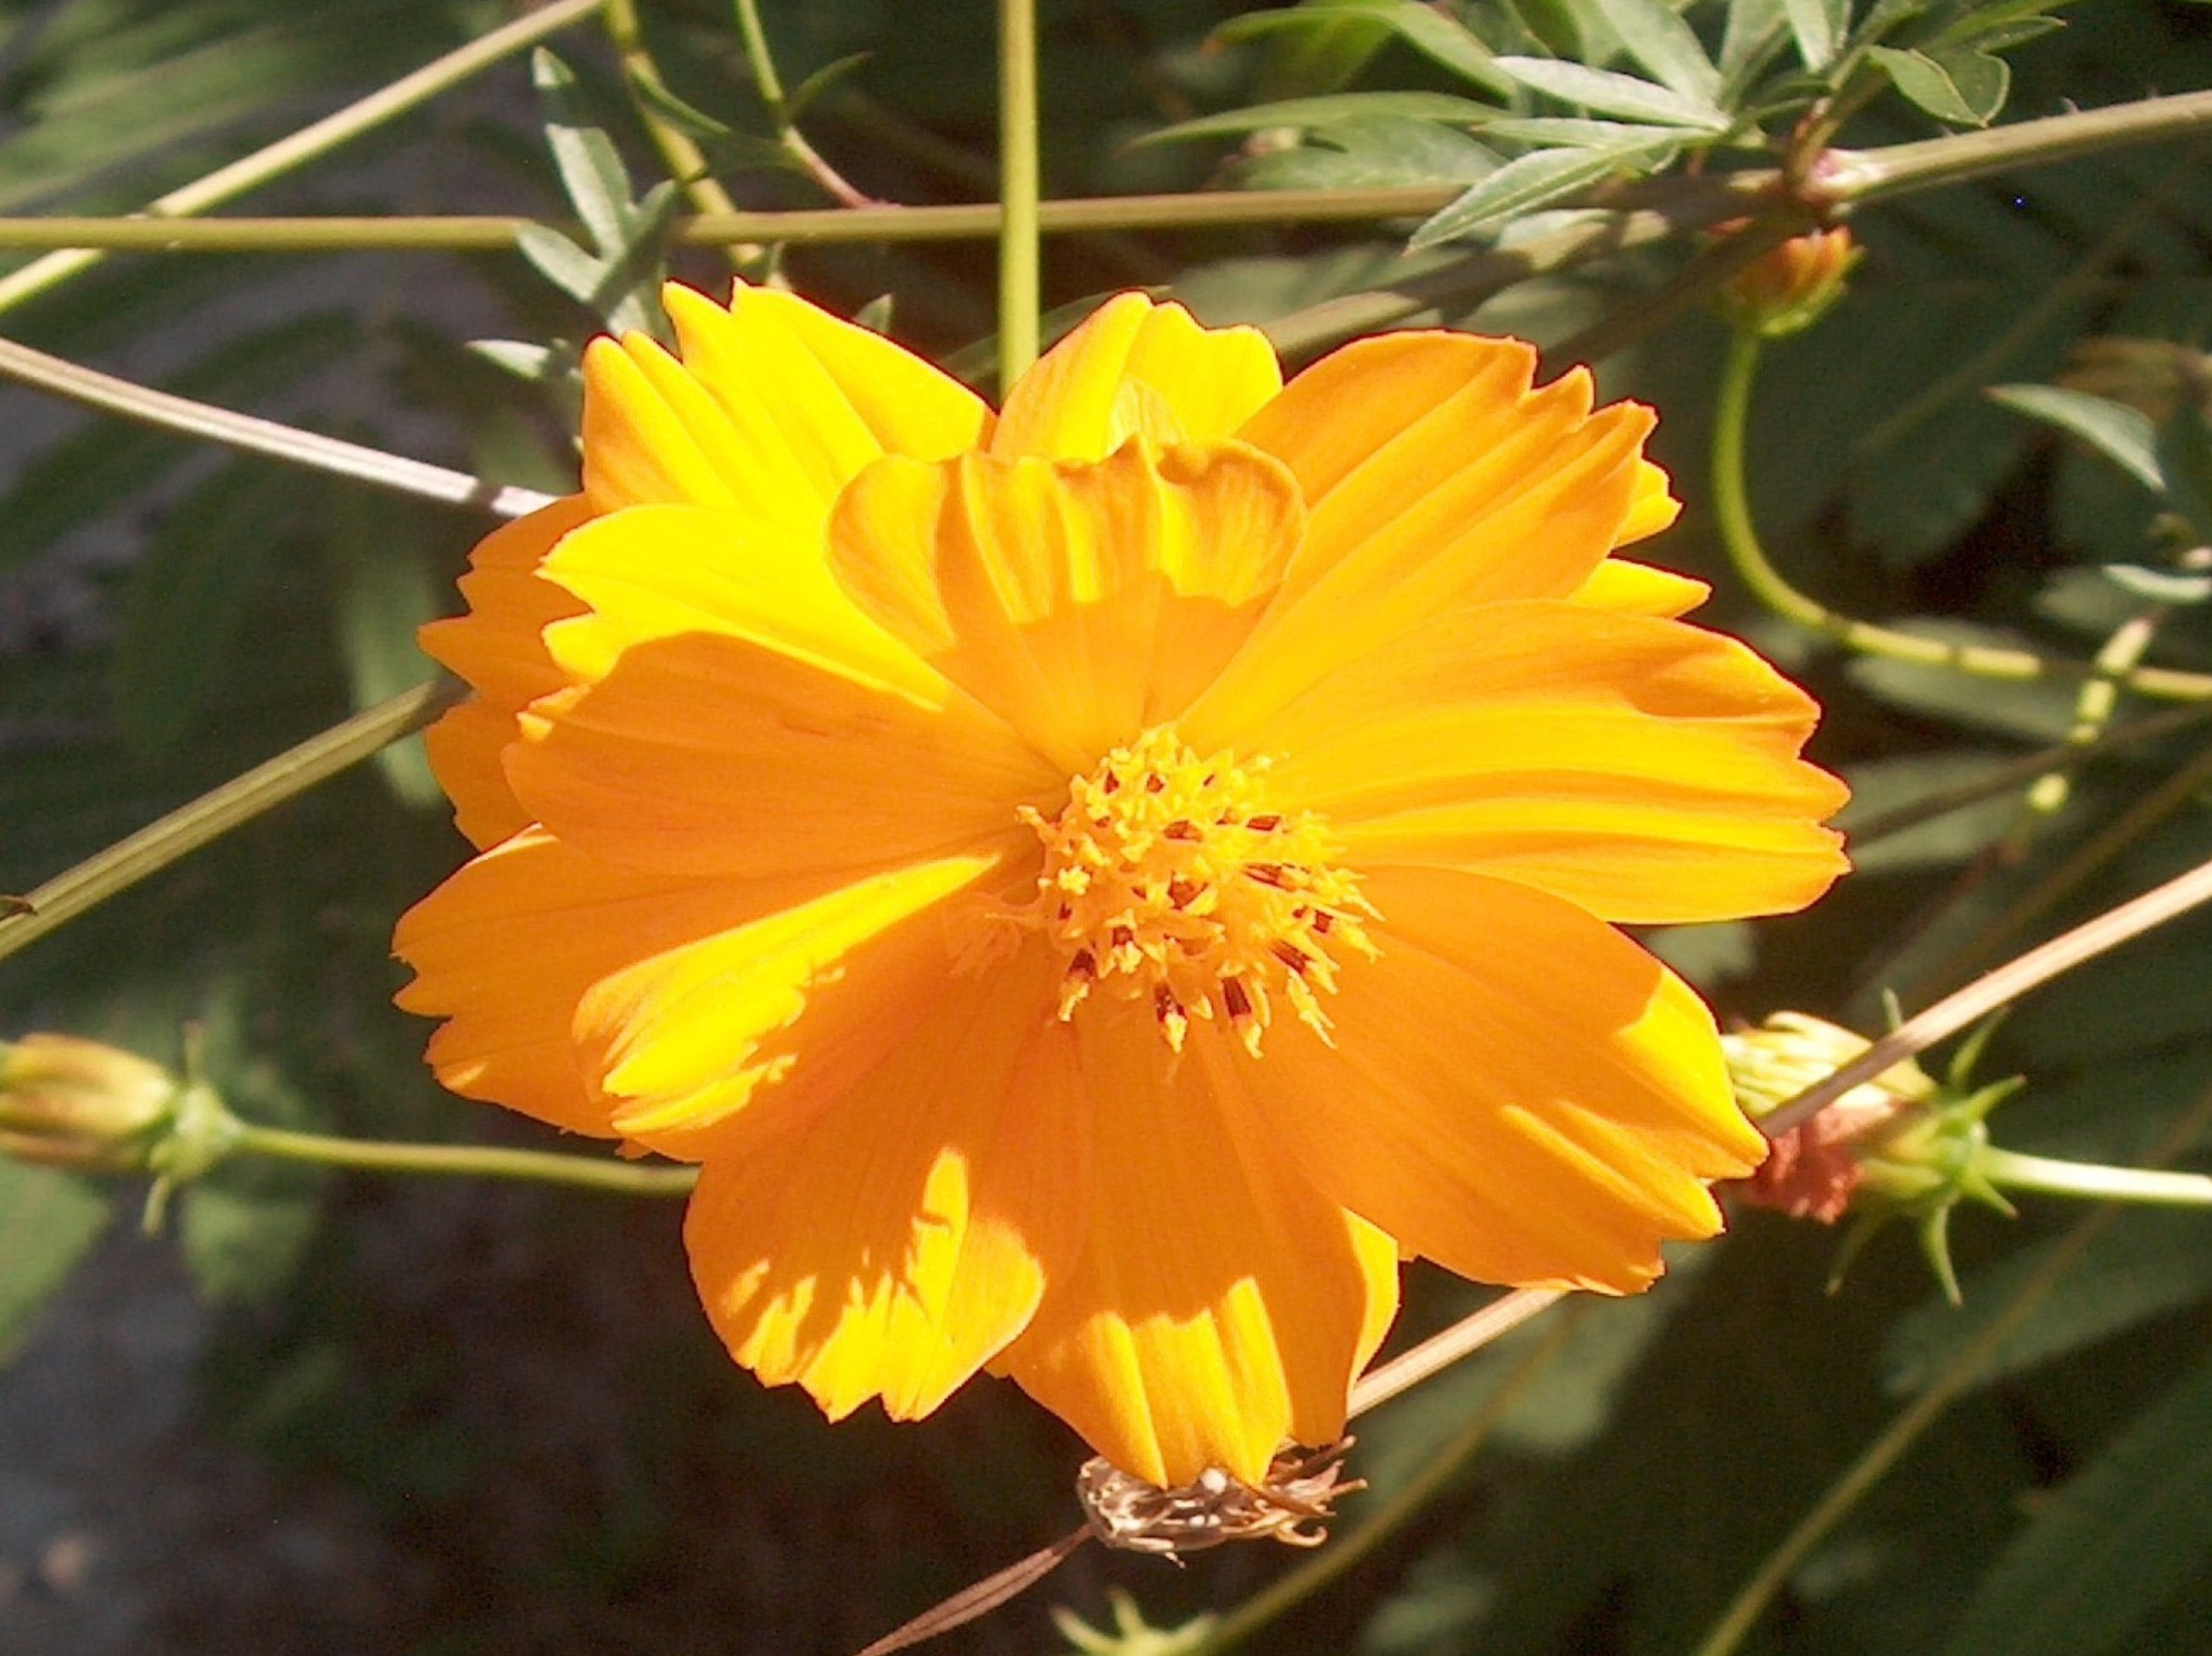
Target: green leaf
x,y
1882,786
48,1221
593,175
1574,132
2041,711
1929,83
2145,1264
1983,81
802,96
2184,460
687,119
2115,1541
1313,114
2158,586
1666,45
2122,433
189,592
1442,41
1611,93
1819,26
1753,34
1378,152
385,592
1534,180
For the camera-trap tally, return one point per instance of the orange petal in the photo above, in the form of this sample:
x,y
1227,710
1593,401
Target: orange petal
x,y
1215,1303
1434,477
1632,588
773,409
1645,770
467,748
1651,507
553,970
1514,1090
498,647
1081,603
889,1242
704,753
1134,366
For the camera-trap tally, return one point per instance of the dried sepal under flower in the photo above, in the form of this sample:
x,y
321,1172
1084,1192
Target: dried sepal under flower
x,y
1291,1504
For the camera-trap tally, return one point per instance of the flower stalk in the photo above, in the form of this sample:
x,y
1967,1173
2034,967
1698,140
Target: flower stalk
x,y
1020,226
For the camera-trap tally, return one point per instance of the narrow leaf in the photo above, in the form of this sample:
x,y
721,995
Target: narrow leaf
x,y
48,1221
1926,81
385,592
1819,26
1611,93
1311,114
803,95
2115,1542
1523,186
1442,41
1753,34
592,172
2123,435
1660,40
1573,131
189,594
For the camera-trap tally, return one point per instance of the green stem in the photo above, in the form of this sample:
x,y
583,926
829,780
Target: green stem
x,y
254,436
1732,515
1845,177
793,142
466,1161
685,161
1877,1459
2013,1170
309,142
1019,278
238,802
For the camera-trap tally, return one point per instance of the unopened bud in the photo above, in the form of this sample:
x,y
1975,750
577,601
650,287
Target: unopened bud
x,y
1789,288
71,1103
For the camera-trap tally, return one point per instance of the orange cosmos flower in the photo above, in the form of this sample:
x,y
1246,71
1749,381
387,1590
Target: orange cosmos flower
x,y
1095,886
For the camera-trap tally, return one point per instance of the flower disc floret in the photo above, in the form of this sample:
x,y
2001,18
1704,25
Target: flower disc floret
x,y
1171,881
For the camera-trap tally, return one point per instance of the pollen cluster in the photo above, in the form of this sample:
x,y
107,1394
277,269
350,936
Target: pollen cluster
x,y
1169,880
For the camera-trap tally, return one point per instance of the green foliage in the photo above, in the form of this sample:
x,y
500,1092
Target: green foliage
x,y
48,1222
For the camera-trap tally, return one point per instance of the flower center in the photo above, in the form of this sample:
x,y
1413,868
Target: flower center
x,y
1169,880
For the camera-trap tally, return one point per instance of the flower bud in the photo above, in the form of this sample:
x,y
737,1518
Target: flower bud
x,y
1813,1171
1789,287
71,1103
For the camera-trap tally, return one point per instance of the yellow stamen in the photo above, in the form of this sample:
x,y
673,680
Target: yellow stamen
x,y
1171,880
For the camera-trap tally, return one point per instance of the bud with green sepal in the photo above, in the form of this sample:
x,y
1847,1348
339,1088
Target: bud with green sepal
x,y
1904,1145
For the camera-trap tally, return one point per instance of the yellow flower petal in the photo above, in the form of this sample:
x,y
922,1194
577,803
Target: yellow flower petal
x,y
1651,508
1216,1303
1433,477
1645,770
705,753
1515,1091
1081,603
1633,589
774,406
1134,366
554,969
887,1243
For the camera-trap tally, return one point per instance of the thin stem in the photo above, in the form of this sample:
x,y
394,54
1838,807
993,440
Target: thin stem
x,y
1017,190
685,161
2013,1170
793,142
466,1161
254,436
1877,1459
238,802
1846,177
1999,988
1732,515
1440,1351
311,142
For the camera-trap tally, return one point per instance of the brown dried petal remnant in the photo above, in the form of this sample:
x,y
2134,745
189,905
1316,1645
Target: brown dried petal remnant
x,y
1291,1506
